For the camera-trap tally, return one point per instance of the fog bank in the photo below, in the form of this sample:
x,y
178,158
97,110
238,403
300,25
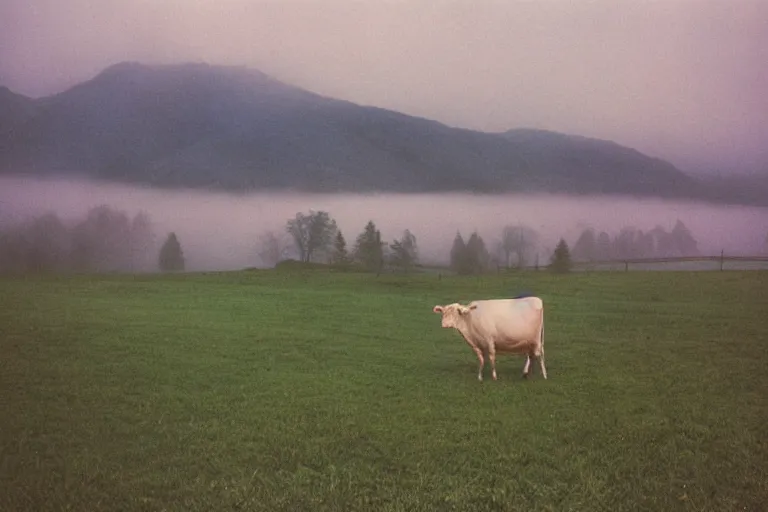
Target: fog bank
x,y
219,231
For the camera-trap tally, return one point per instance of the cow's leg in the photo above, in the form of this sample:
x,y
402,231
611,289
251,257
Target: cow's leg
x,y
541,363
492,357
527,366
481,362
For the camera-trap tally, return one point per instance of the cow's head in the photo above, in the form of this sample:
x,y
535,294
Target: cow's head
x,y
453,314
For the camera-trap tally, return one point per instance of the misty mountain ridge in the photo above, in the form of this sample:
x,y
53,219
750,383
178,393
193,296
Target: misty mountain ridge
x,y
237,129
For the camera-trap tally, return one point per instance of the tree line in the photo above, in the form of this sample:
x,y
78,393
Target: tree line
x,y
631,243
105,240
109,240
315,237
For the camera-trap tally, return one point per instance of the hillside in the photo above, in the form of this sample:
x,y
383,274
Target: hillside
x,y
196,125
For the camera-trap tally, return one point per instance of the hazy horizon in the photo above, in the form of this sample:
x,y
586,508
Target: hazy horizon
x,y
219,231
680,80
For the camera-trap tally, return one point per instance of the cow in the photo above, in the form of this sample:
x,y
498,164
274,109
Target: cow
x,y
514,326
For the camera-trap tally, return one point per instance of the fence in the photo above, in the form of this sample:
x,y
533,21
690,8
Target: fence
x,y
685,263
720,262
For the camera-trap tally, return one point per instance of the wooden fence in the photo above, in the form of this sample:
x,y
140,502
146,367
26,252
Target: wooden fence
x,y
719,262
685,263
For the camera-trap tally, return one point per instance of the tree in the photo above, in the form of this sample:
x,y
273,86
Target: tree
x,y
561,258
47,244
312,233
646,247
99,242
171,256
683,240
604,248
405,252
585,248
340,256
369,250
141,241
662,242
518,241
477,255
625,244
273,248
105,240
459,261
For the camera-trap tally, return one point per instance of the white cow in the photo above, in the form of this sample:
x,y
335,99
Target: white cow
x,y
513,326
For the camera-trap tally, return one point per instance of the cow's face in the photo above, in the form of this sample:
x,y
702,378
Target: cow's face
x,y
453,314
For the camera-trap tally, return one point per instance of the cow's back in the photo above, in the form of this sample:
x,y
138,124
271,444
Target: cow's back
x,y
508,320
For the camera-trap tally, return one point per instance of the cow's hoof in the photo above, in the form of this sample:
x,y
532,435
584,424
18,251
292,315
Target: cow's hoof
x,y
525,375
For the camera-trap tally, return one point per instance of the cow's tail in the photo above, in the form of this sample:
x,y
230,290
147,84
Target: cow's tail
x,y
542,361
542,334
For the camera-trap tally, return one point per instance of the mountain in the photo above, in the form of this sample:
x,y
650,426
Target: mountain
x,y
14,110
233,128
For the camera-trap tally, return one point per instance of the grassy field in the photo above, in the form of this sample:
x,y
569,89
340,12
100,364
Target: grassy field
x,y
316,391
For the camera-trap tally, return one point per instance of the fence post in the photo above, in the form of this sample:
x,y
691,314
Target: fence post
x,y
722,257
626,266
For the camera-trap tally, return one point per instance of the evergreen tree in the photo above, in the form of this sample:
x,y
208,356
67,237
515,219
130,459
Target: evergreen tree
x,y
683,240
340,256
369,250
585,248
405,252
469,258
171,255
459,255
561,258
477,254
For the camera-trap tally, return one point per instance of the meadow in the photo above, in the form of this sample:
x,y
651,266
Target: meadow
x,y
313,390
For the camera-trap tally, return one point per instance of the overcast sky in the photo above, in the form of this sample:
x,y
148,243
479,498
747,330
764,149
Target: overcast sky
x,y
684,80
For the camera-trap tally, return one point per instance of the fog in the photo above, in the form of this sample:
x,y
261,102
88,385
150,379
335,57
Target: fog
x,y
219,231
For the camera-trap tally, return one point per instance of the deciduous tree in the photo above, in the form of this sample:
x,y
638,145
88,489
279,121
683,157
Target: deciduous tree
x,y
312,233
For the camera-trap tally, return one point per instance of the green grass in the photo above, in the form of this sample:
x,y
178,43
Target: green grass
x,y
317,391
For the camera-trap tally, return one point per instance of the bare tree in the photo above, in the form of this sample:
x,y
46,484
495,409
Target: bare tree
x,y
312,233
273,247
518,243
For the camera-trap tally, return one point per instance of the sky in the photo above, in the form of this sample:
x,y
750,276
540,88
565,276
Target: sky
x,y
683,80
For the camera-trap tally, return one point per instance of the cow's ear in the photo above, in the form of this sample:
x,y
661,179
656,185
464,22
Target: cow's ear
x,y
463,310
437,309
473,306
